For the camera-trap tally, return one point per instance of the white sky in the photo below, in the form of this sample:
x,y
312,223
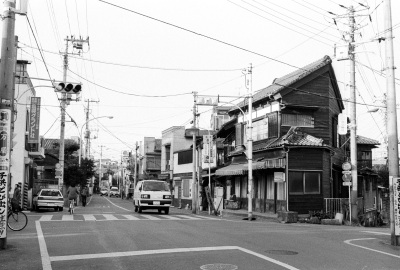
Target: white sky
x,y
137,58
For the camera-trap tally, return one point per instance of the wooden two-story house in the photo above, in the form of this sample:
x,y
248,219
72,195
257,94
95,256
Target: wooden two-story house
x,y
297,152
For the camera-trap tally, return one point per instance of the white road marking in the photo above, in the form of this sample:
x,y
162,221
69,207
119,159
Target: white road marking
x,y
209,218
44,254
151,217
46,218
89,217
110,217
187,217
171,217
376,232
67,217
129,210
164,251
130,217
378,251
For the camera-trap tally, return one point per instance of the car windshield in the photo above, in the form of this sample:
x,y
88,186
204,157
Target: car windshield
x,y
155,186
50,193
114,188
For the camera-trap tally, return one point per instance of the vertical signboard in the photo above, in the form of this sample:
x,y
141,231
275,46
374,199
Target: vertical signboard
x,y
34,117
396,198
208,149
5,123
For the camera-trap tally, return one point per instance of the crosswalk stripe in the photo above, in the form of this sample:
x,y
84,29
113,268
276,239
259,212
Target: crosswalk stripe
x,y
130,217
68,217
110,217
171,217
46,218
89,217
151,217
187,217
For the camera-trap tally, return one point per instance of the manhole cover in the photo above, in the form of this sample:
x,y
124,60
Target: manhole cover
x,y
219,266
281,252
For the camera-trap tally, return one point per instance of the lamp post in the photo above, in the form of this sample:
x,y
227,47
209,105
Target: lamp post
x,y
80,134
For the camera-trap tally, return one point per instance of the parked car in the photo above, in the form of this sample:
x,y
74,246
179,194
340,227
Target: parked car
x,y
152,194
114,191
104,191
48,198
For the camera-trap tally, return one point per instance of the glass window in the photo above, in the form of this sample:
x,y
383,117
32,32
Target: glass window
x,y
295,182
155,186
304,182
297,120
311,182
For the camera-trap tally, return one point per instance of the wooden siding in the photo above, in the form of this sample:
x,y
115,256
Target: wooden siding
x,y
310,159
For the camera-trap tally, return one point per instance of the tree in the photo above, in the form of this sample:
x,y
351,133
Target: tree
x,y
383,174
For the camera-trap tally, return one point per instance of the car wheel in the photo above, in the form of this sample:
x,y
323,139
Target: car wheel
x,y
166,211
159,211
60,209
140,209
136,208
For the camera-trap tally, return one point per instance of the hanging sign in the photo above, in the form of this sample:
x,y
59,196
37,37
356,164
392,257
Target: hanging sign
x,y
396,200
34,117
5,124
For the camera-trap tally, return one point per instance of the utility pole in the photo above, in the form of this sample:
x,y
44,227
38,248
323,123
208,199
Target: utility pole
x,y
136,163
194,186
65,98
353,118
7,67
87,131
250,144
101,156
393,152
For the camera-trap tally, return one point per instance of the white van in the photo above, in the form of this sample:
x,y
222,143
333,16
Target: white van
x,y
152,194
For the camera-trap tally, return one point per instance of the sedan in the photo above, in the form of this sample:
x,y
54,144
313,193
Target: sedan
x,y
48,198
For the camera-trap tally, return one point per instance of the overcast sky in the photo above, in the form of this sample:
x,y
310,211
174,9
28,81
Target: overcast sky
x,y
145,58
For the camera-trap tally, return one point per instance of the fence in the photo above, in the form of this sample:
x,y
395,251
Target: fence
x,y
336,205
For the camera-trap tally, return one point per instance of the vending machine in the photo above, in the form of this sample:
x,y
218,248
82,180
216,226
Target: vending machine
x,y
218,198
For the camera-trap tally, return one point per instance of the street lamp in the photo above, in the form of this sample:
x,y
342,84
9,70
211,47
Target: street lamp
x,y
80,134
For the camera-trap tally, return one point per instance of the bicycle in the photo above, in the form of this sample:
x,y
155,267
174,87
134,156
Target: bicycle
x,y
16,219
71,206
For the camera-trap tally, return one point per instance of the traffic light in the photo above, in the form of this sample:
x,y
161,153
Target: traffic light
x,y
69,88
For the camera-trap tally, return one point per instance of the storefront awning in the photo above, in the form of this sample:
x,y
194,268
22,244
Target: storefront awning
x,y
242,168
233,169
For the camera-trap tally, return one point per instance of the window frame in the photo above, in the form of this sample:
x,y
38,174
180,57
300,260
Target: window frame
x,y
304,192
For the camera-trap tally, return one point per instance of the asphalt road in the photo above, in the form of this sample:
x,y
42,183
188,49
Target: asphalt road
x,y
108,234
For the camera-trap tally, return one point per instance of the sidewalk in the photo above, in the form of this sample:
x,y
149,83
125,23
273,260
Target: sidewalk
x,y
240,213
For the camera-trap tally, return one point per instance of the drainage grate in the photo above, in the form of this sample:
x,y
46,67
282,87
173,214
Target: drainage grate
x,y
219,266
281,252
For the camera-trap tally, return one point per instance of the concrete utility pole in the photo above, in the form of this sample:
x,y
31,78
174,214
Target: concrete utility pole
x,y
87,131
77,43
353,117
393,152
136,163
7,68
250,144
194,186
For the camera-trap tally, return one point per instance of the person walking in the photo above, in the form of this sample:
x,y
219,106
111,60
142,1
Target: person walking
x,y
84,194
16,199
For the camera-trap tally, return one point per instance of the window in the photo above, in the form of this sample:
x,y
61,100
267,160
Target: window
x,y
185,157
366,155
335,135
260,129
307,182
297,120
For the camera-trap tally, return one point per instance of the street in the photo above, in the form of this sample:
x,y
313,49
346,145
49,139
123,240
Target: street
x,y
108,234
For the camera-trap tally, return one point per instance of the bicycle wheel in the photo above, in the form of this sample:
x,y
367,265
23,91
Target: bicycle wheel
x,y
17,221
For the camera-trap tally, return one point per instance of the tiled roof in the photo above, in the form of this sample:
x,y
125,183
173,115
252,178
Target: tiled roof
x,y
365,140
294,137
280,83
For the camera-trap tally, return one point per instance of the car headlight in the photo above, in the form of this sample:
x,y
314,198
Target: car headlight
x,y
167,196
145,196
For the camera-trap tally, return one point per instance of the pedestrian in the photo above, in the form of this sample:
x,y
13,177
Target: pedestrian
x,y
16,199
84,194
